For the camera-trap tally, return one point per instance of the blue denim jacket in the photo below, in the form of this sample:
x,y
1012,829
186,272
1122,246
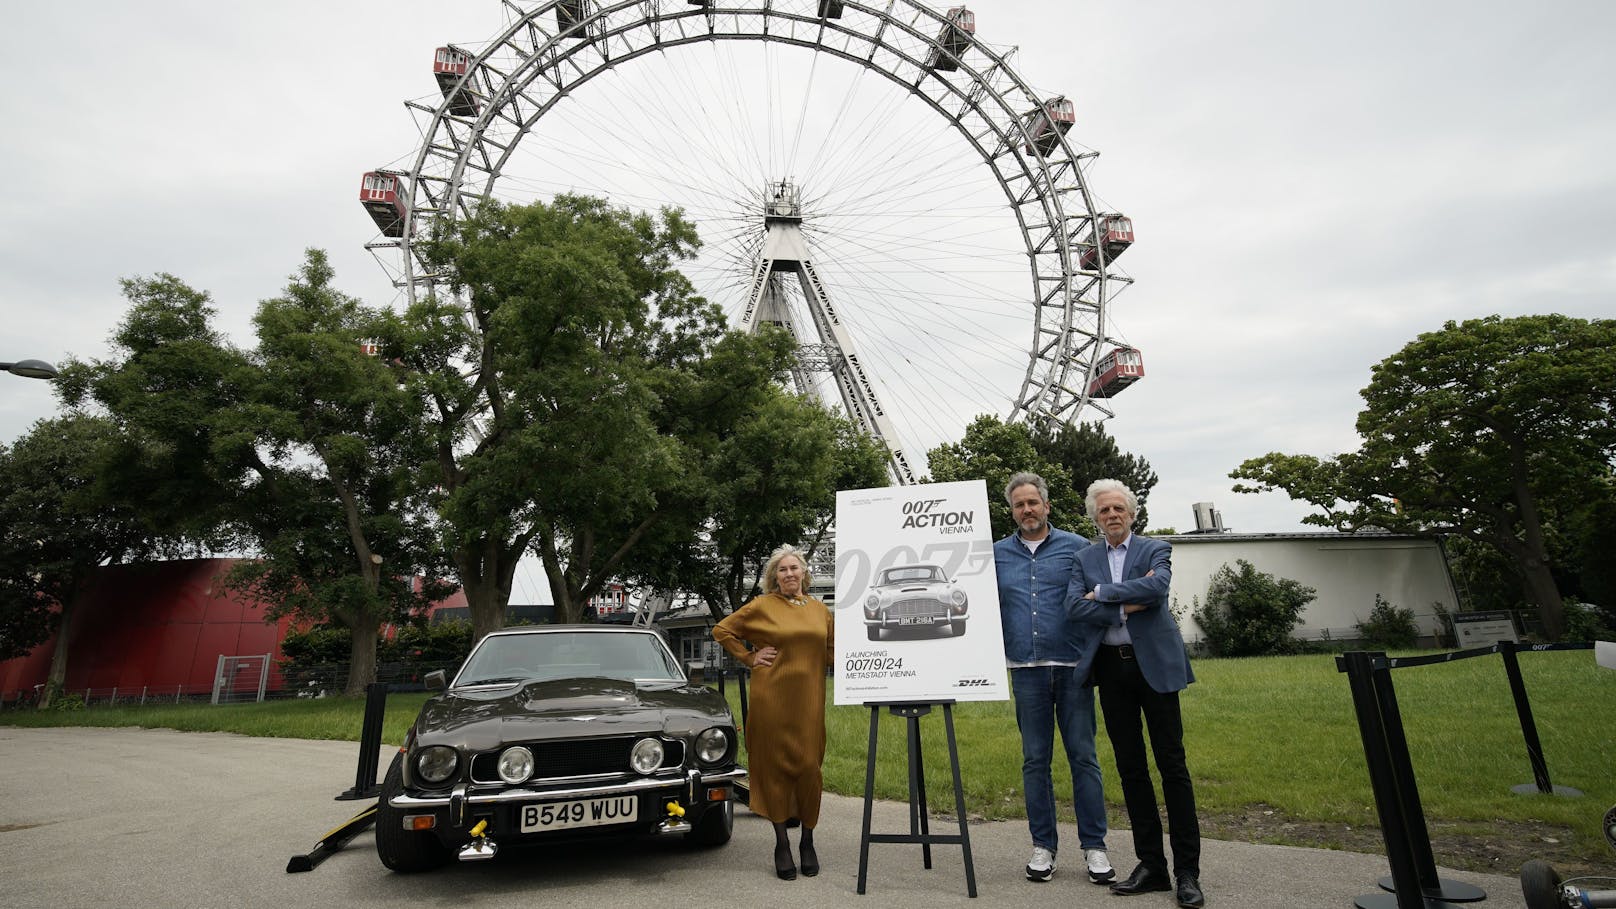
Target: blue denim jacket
x,y
1032,593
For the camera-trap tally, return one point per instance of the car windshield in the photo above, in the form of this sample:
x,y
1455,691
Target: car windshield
x,y
912,573
634,657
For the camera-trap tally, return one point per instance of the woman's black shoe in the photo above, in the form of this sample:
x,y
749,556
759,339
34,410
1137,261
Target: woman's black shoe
x,y
810,860
783,868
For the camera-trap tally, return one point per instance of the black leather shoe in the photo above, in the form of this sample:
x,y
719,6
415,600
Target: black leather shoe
x,y
1144,879
1189,892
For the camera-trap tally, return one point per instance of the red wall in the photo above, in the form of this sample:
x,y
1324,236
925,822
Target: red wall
x,y
154,625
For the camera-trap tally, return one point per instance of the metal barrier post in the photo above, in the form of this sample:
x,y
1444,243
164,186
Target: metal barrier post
x,y
1358,665
1534,747
370,745
1408,800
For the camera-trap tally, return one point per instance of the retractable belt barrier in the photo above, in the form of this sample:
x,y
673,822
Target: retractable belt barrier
x,y
1413,883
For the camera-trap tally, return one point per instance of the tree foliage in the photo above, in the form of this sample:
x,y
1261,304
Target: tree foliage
x,y
993,450
302,448
772,480
1488,429
577,388
63,522
1251,613
1089,453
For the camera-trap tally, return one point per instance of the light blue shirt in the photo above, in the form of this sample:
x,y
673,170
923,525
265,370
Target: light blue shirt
x,y
1117,556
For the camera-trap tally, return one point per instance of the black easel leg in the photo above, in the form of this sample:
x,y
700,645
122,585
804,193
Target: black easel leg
x,y
959,802
919,814
869,798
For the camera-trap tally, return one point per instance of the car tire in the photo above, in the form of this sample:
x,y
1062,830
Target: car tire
x,y
876,632
715,826
404,851
958,627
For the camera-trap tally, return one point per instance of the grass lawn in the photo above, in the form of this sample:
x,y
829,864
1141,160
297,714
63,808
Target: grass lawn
x,y
1273,746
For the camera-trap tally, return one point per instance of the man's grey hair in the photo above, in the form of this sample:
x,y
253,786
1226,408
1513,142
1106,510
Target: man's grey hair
x,y
1026,479
1099,486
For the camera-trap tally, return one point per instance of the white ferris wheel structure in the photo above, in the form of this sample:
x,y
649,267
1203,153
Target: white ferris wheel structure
x,y
873,177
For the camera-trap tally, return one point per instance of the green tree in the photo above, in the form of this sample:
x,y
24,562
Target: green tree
x,y
575,383
1483,429
993,450
1089,453
338,509
773,480
303,449
63,523
1250,612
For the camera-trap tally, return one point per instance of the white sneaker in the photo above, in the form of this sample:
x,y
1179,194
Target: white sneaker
x,y
1100,870
1042,865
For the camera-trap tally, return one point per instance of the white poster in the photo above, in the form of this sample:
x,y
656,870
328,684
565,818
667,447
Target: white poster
x,y
917,600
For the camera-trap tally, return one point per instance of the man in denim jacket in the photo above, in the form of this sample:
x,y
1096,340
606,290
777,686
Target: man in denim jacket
x,y
1046,657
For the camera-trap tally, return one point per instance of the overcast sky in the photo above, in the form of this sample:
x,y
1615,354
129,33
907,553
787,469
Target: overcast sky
x,y
1312,185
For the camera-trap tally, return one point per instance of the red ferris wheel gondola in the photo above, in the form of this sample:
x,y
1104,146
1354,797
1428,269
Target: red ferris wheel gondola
x,y
1117,370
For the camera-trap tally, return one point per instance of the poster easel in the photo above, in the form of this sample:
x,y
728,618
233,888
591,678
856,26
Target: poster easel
x,y
919,821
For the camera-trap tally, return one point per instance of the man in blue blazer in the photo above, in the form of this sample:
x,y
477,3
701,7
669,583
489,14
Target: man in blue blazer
x,y
1140,665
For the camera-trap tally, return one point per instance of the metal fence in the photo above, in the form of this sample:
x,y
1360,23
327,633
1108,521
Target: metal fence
x,y
297,682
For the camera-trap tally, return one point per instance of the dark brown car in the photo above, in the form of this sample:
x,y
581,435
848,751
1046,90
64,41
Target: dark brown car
x,y
559,731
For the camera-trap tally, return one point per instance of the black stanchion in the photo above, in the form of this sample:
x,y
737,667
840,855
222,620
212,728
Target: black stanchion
x,y
919,819
1534,747
370,745
1408,800
1359,667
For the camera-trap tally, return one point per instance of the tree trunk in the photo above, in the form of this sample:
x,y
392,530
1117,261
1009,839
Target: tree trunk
x,y
1542,591
57,677
361,656
486,571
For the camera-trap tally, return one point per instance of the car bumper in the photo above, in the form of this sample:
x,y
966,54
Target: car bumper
x,y
461,801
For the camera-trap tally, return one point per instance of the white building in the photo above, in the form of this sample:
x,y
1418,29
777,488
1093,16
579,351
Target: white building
x,y
1346,570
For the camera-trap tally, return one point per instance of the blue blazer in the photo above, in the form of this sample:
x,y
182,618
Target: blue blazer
x,y
1157,644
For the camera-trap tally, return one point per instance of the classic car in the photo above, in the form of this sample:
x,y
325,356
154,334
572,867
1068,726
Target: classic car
x,y
559,731
914,596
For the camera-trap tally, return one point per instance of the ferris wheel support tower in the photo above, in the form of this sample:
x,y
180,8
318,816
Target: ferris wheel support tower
x,y
785,251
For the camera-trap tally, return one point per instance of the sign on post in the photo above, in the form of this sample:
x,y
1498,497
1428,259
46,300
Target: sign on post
x,y
1478,629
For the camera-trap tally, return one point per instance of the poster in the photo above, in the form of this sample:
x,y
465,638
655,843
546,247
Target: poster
x,y
917,600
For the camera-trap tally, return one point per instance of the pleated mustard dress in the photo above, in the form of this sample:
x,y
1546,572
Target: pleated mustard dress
x,y
785,727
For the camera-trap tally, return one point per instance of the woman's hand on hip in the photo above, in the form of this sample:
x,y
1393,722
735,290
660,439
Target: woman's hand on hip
x,y
763,657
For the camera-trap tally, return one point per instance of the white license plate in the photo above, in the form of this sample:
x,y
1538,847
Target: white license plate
x,y
915,620
617,809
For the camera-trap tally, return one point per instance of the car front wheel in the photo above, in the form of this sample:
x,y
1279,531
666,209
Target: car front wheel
x,y
403,850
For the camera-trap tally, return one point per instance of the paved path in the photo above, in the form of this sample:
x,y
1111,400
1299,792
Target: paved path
x,y
154,818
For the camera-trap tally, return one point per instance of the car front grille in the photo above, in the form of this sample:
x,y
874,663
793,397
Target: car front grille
x,y
923,606
575,758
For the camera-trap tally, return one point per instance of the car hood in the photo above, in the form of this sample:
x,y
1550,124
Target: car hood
x,y
480,719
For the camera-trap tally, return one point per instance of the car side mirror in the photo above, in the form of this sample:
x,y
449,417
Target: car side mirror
x,y
436,680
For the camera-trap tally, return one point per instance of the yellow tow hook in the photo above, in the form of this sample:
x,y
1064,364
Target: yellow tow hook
x,y
480,847
675,821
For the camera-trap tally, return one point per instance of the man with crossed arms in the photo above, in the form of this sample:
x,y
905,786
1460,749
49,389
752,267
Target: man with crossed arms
x,y
1140,665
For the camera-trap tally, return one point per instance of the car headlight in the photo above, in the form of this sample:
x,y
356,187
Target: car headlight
x,y
958,596
712,745
872,606
646,756
515,765
436,763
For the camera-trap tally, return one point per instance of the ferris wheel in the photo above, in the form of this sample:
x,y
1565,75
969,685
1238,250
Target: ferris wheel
x,y
873,177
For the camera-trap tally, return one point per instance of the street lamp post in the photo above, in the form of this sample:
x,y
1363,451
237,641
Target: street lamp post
x,y
32,369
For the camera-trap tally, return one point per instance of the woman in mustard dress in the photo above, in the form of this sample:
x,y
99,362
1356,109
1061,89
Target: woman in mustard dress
x,y
790,637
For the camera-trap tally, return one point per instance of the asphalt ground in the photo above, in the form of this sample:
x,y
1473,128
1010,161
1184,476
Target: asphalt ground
x,y
101,818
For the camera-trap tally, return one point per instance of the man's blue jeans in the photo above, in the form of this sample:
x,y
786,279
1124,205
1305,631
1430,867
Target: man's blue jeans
x,y
1047,697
